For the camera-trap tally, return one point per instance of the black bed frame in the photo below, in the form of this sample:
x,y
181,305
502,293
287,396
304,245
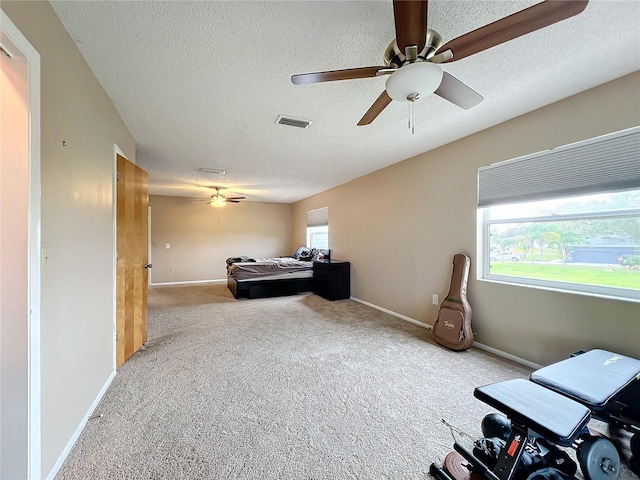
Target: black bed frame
x,y
268,288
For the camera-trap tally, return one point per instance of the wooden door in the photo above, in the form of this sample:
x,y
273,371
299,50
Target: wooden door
x,y
132,277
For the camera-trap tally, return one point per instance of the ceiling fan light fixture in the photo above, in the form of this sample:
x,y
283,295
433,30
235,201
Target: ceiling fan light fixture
x,y
421,78
218,201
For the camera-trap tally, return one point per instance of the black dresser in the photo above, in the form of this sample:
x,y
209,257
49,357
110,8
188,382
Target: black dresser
x,y
332,279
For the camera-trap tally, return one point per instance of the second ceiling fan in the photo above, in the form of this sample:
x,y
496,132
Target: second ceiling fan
x,y
413,57
218,199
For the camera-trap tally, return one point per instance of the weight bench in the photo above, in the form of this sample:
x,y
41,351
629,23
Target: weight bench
x,y
541,421
605,382
552,410
537,415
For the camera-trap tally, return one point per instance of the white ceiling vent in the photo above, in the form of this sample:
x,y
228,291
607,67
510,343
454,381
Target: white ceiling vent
x,y
293,122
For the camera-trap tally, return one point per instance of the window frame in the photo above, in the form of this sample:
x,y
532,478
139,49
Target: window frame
x,y
484,269
310,233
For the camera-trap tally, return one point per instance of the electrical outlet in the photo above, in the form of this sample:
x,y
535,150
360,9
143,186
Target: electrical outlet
x,y
167,246
434,299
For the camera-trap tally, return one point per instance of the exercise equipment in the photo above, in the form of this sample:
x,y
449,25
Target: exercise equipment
x,y
605,382
544,417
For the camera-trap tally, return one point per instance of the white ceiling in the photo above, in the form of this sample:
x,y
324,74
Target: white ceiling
x,y
200,84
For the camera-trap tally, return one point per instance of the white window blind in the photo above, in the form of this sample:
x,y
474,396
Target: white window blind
x,y
602,164
318,218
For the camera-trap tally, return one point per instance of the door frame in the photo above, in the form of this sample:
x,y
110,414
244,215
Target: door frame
x,y
12,38
149,259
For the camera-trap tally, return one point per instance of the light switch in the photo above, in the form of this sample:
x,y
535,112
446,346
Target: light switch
x,y
434,299
167,246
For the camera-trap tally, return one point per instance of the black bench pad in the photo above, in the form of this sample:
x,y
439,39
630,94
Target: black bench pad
x,y
593,378
556,418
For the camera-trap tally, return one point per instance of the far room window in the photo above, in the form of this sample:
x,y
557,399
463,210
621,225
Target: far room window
x,y
318,228
566,219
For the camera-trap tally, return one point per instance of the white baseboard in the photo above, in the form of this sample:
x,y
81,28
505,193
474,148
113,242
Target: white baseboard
x,y
74,438
481,346
391,312
506,355
188,282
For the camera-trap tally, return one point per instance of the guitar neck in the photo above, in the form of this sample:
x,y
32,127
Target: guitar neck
x,y
458,287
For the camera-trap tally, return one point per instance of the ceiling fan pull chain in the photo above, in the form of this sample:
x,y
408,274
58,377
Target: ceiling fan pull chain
x,y
412,117
411,99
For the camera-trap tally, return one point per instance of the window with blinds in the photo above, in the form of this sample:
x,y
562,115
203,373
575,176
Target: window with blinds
x,y
567,218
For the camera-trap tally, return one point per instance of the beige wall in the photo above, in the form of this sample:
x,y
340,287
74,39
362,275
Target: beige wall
x,y
14,286
429,219
401,250
200,245
77,226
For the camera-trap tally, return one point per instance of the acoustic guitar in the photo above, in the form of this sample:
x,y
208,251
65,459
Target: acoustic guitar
x,y
453,326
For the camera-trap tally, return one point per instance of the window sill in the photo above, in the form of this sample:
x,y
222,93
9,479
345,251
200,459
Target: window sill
x,y
532,283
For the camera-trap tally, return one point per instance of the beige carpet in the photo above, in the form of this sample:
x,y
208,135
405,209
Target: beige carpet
x,y
283,388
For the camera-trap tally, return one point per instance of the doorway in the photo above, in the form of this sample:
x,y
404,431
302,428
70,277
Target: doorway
x,y
19,255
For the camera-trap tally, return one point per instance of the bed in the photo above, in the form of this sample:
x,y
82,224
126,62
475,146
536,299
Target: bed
x,y
270,277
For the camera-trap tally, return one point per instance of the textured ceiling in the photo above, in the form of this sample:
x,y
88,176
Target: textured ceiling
x,y
200,84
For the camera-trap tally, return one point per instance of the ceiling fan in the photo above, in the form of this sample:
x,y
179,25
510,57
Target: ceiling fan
x,y
218,199
412,59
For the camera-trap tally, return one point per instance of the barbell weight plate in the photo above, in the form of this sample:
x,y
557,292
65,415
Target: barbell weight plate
x,y
457,466
599,459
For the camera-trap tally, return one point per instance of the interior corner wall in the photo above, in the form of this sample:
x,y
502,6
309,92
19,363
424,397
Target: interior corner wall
x,y
202,237
401,248
77,227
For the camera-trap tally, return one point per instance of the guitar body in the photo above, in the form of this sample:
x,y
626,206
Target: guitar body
x,y
453,326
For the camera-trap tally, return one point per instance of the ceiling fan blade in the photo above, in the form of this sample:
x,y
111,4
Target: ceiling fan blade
x,y
236,198
411,23
457,92
520,23
233,201
198,200
333,75
383,100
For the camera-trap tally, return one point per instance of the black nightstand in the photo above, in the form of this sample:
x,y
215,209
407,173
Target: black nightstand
x,y
332,279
